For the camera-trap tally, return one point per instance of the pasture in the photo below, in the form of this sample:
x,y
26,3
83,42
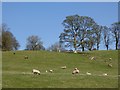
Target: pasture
x,y
17,71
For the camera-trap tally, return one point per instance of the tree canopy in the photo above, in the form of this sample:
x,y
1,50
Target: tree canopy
x,y
9,42
34,43
80,32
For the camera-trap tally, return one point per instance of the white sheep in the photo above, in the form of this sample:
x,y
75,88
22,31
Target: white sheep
x,y
105,74
35,71
51,71
110,59
109,65
25,57
63,67
92,58
75,51
88,73
75,71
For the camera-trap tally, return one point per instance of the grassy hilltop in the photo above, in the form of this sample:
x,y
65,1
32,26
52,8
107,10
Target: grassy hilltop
x,y
17,71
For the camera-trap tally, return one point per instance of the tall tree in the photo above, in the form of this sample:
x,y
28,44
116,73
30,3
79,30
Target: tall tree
x,y
34,43
90,39
9,42
56,47
106,36
71,24
75,31
98,32
115,29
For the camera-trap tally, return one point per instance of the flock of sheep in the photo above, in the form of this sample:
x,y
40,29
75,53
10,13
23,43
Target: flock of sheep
x,y
37,72
75,70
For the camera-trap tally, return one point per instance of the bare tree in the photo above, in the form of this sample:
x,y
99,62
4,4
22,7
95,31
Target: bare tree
x,y
98,34
115,29
106,36
34,43
56,47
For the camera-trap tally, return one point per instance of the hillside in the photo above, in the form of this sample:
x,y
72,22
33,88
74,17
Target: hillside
x,y
17,71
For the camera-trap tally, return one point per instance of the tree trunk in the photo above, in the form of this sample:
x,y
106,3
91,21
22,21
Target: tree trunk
x,y
82,48
107,47
116,44
97,46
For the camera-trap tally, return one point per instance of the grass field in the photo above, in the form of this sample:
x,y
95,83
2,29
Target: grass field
x,y
17,71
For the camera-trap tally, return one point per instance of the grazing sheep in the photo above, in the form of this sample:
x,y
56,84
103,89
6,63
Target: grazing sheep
x,y
75,51
88,73
51,71
63,67
25,57
109,65
46,71
105,74
75,71
110,59
35,71
92,58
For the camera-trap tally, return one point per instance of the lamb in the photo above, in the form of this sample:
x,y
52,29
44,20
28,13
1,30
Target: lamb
x,y
75,71
35,71
63,67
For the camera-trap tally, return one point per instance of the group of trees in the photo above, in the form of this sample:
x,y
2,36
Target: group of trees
x,y
8,42
82,32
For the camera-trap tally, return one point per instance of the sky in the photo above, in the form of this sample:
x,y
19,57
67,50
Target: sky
x,y
44,19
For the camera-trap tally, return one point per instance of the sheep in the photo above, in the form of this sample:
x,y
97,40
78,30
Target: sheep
x,y
75,51
75,71
51,71
110,59
63,67
46,71
35,71
92,58
109,65
105,74
88,73
25,57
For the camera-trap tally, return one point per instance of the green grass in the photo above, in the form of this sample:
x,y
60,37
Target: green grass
x,y
17,70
